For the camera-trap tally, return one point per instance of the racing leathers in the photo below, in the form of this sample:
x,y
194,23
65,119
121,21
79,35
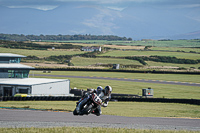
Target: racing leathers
x,y
105,99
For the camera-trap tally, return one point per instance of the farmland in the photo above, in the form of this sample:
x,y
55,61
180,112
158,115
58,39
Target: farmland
x,y
116,52
40,53
155,43
80,61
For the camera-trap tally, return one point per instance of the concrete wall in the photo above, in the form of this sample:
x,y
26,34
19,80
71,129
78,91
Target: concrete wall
x,y
51,89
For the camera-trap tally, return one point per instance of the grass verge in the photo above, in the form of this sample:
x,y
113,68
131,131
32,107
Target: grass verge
x,y
149,76
87,130
129,109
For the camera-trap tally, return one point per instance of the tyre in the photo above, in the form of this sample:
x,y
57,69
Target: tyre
x,y
86,110
75,112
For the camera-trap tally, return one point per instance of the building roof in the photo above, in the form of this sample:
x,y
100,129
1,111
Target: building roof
x,y
29,81
11,55
14,66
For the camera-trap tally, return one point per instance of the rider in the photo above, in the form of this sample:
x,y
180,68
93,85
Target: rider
x,y
104,95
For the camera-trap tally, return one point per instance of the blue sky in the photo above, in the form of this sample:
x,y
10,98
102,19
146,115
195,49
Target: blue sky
x,y
112,4
130,18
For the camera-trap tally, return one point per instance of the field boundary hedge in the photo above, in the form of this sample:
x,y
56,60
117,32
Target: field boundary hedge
x,y
115,70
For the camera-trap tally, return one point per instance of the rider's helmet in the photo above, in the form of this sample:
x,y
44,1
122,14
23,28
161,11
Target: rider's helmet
x,y
99,90
107,90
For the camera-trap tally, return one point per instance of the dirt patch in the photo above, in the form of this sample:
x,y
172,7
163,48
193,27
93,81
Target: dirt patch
x,y
125,47
63,49
52,65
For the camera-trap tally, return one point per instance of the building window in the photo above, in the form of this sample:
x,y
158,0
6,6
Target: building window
x,y
18,73
23,91
11,74
15,60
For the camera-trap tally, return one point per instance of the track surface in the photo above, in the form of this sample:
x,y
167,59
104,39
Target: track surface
x,y
124,79
30,118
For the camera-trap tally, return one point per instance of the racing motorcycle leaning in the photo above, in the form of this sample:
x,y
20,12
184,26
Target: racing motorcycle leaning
x,y
88,104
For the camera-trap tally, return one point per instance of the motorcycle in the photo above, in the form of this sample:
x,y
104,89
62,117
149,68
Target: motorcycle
x,y
93,101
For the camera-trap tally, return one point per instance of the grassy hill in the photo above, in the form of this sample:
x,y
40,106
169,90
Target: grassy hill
x,y
68,53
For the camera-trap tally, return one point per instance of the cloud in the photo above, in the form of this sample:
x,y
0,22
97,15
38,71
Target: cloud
x,y
188,6
116,8
39,7
112,4
47,2
103,21
110,1
78,31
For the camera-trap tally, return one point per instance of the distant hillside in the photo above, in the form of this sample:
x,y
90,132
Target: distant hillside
x,y
22,37
194,35
134,20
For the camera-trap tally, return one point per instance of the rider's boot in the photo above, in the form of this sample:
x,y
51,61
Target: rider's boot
x,y
77,109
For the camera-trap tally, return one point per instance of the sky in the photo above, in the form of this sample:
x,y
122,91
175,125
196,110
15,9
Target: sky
x,y
112,4
113,17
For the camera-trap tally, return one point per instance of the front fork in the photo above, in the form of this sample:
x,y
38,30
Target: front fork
x,y
80,103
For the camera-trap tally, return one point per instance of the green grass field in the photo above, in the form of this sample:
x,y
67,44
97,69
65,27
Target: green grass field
x,y
80,61
119,53
181,45
132,109
187,66
174,43
39,53
176,49
149,76
125,87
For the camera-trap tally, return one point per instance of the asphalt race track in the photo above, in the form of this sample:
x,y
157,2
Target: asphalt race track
x,y
125,79
34,118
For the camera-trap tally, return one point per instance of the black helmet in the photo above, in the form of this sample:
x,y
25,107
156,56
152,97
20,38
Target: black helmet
x,y
107,90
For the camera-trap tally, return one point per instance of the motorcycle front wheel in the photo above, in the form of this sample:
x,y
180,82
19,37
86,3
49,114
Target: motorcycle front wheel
x,y
75,112
87,110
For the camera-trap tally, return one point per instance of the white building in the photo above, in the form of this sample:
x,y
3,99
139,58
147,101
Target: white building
x,y
34,87
92,49
14,79
10,66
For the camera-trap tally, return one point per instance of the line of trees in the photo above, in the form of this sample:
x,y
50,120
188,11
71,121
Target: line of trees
x,y
34,46
169,59
62,59
166,59
60,37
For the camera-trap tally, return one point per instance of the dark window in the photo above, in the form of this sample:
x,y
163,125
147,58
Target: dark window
x,y
7,91
24,91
